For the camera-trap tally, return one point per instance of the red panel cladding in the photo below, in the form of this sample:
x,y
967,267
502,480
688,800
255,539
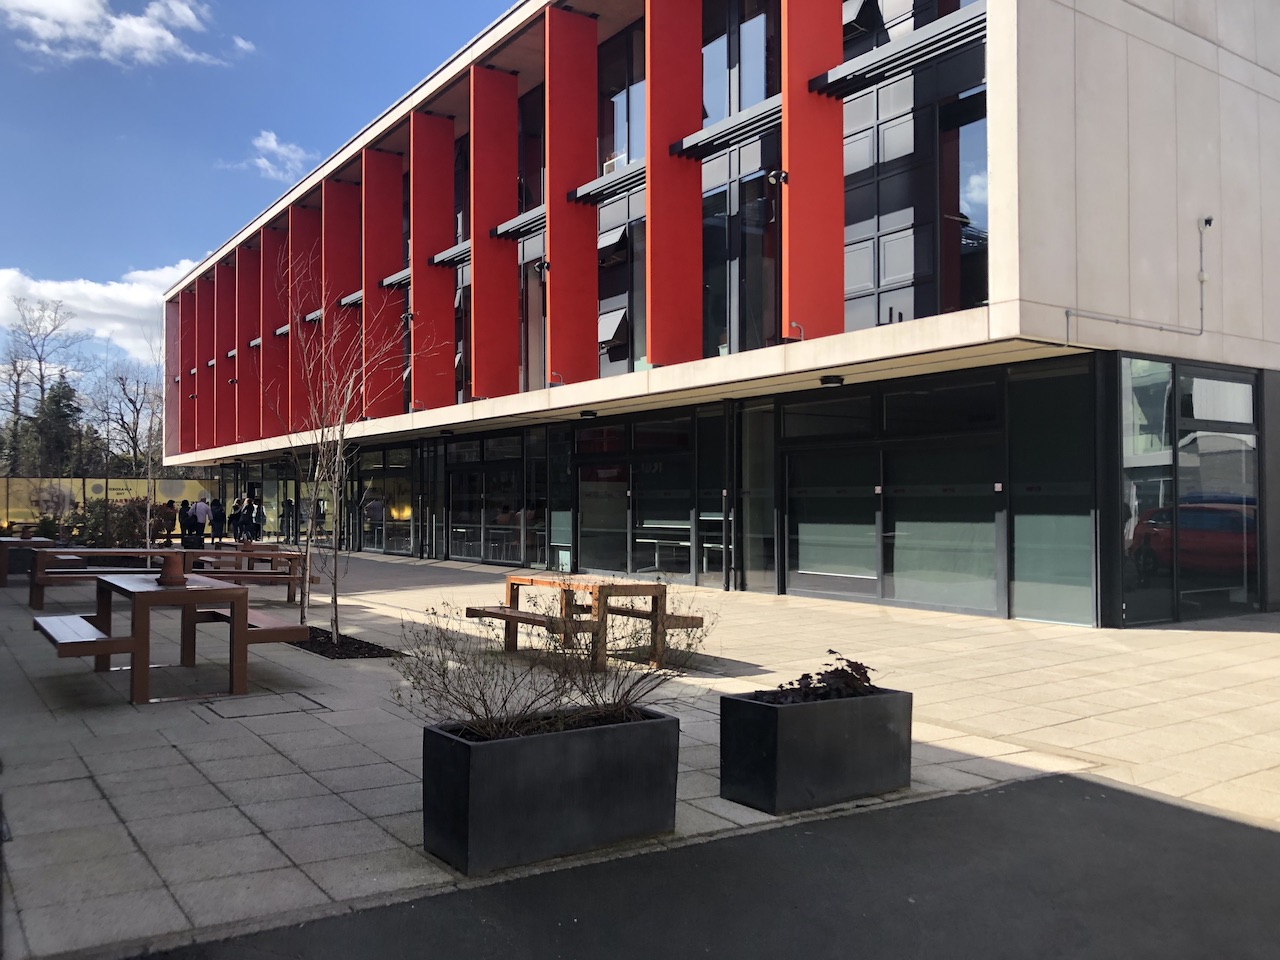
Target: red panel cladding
x,y
246,368
812,155
224,339
573,285
306,295
383,185
495,263
205,399
187,363
340,335
431,229
673,198
273,354
172,377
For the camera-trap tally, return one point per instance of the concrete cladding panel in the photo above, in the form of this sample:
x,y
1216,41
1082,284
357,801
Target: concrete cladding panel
x,y
1134,121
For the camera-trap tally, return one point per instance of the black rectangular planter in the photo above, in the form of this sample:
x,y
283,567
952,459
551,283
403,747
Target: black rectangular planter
x,y
794,756
502,803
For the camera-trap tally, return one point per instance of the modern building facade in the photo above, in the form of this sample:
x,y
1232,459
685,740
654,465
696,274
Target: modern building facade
x,y
966,305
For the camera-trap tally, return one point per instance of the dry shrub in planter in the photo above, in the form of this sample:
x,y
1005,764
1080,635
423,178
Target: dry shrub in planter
x,y
824,738
532,755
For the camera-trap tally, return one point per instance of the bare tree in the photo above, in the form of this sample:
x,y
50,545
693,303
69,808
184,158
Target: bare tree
x,y
42,335
331,350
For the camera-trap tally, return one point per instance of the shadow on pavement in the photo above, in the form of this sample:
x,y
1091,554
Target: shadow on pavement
x,y
1059,867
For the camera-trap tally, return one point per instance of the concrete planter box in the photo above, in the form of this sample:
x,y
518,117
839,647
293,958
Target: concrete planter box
x,y
503,803
794,756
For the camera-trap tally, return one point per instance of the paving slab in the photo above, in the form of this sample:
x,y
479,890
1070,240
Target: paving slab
x,y
82,880
191,862
80,924
350,878
227,899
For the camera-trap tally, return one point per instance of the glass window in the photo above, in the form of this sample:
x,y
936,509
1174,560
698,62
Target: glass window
x,y
930,407
845,416
1051,473
613,114
760,305
757,52
503,448
532,151
663,434
1146,489
939,539
371,461
831,521
662,502
715,274
603,439
962,162
715,61
464,451
1201,397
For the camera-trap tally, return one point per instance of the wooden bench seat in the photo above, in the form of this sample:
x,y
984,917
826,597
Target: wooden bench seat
x,y
264,627
67,561
670,621
75,636
50,575
242,577
513,618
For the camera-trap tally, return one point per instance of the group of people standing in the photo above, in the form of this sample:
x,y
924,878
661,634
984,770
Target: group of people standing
x,y
244,519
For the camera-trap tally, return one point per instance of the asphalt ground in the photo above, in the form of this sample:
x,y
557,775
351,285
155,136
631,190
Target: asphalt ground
x,y
1059,867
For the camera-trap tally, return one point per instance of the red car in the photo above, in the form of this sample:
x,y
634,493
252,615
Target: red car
x,y
1218,538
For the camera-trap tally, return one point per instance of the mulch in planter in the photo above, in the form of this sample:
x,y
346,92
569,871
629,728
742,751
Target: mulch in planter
x,y
347,648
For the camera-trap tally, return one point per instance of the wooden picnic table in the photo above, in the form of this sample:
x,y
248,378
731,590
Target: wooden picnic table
x,y
601,592
144,593
7,543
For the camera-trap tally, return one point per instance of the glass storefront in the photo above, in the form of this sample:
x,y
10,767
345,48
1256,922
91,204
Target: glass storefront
x,y
975,491
1189,492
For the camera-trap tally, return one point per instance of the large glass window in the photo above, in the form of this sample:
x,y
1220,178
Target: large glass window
x,y
622,299
622,105
915,165
1051,473
831,521
1146,489
532,148
939,527
741,56
760,305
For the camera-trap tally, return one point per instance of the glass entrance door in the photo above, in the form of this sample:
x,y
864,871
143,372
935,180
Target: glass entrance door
x,y
831,521
466,514
603,505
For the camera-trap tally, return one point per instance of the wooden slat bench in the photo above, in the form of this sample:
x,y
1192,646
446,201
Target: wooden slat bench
x,y
513,618
75,636
42,577
264,627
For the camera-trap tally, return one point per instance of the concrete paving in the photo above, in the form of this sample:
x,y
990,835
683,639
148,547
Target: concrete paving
x,y
1052,868
198,818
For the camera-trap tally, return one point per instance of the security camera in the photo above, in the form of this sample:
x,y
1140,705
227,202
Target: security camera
x,y
1207,222
233,380
776,177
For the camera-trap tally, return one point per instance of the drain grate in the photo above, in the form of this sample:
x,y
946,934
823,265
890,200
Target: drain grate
x,y
263,706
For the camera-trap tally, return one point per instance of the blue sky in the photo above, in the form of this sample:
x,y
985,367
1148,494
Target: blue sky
x,y
140,134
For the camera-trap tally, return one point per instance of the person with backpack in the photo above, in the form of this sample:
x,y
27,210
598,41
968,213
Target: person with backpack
x,y
217,520
184,518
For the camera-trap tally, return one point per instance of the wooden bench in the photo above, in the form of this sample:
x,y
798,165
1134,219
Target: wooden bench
x,y
264,627
290,580
75,636
513,618
45,576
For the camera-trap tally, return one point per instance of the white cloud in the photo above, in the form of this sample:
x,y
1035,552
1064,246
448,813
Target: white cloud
x,y
975,189
275,159
243,45
128,310
70,30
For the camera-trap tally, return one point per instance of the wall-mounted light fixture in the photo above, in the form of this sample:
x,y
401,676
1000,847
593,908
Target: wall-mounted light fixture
x,y
831,380
796,326
543,267
191,396
551,381
233,381
588,414
417,405
777,177
446,433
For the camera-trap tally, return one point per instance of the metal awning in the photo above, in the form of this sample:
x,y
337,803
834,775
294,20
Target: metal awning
x,y
528,224
282,331
352,299
739,128
231,353
611,238
964,28
611,185
613,327
315,316
456,256
255,342
209,363
396,279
